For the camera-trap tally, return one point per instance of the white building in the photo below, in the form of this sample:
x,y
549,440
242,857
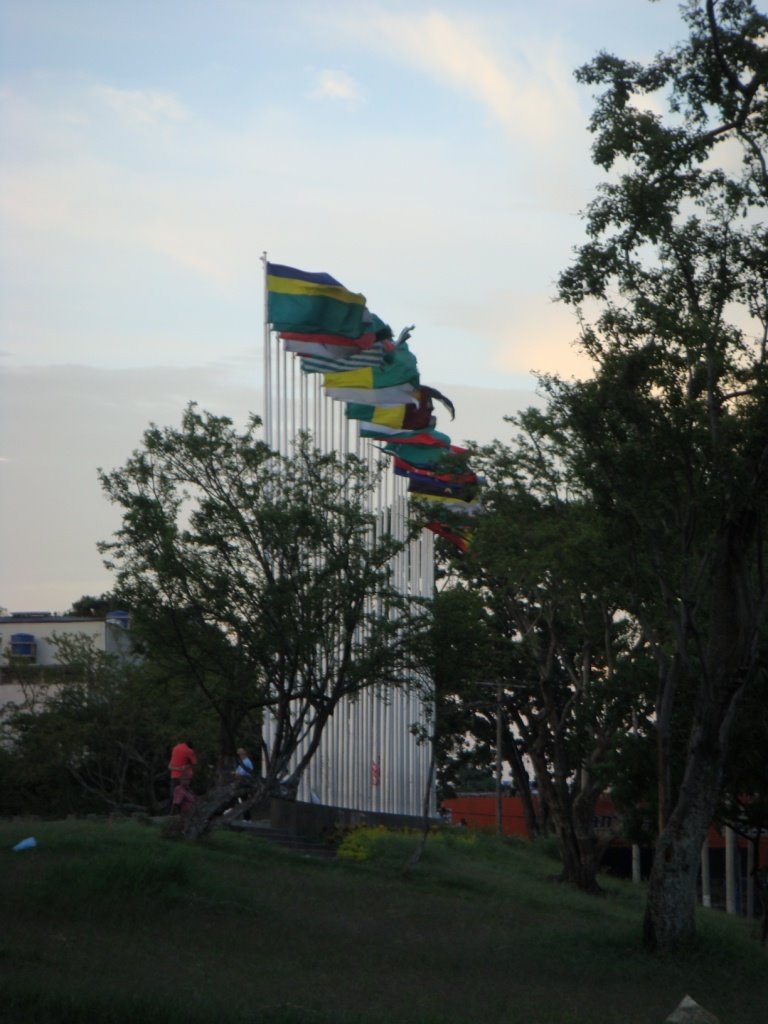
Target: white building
x,y
32,636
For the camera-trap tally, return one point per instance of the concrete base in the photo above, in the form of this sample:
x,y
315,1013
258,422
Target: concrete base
x,y
305,819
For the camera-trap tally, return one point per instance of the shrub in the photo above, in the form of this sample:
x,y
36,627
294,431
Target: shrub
x,y
358,844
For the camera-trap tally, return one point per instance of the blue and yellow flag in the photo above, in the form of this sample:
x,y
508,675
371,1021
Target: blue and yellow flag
x,y
312,302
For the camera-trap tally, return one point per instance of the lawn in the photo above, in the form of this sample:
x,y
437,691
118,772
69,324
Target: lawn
x,y
112,921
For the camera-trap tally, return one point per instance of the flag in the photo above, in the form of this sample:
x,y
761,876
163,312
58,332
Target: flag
x,y
399,367
381,431
460,537
352,359
312,302
422,486
428,436
403,394
433,393
418,455
402,417
388,416
450,504
293,343
294,340
463,475
375,330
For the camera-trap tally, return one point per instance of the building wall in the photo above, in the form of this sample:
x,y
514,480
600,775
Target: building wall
x,y
478,811
45,629
108,635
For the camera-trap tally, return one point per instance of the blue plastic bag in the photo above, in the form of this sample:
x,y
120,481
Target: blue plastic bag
x,y
26,844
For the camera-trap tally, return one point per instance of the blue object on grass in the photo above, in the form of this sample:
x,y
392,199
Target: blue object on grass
x,y
26,844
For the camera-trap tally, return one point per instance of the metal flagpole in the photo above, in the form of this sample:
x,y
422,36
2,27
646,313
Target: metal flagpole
x,y
282,355
267,343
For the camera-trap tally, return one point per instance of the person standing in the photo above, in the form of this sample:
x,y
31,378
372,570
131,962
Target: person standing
x,y
181,765
183,797
244,763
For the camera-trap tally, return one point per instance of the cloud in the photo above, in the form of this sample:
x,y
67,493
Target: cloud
x,y
59,423
130,244
539,337
76,173
142,106
336,85
480,412
532,97
111,205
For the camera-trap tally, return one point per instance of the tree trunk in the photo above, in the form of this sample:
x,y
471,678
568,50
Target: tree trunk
x,y
202,817
669,911
579,856
522,784
425,824
532,822
728,662
584,831
573,824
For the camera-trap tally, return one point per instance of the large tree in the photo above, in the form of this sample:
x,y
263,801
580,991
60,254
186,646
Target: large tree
x,y
267,577
670,436
559,647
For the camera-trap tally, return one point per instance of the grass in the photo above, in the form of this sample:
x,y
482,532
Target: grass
x,y
110,922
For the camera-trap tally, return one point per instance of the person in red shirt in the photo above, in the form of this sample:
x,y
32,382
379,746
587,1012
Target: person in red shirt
x,y
183,797
181,765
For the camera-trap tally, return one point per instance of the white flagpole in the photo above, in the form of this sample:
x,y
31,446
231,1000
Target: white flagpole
x,y
282,356
267,343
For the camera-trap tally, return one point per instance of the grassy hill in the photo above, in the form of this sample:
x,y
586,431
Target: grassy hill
x,y
110,921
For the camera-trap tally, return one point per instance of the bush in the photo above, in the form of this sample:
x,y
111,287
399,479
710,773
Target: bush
x,y
359,843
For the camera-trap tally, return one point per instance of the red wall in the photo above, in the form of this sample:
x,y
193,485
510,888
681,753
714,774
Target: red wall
x,y
479,811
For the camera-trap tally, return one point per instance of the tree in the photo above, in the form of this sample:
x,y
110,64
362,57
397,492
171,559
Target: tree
x,y
670,436
89,605
460,650
91,732
470,715
265,576
559,641
744,797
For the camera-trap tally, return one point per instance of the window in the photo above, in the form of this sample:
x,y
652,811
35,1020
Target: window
x,y
23,646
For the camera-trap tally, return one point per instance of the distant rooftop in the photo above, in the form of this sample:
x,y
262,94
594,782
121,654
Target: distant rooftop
x,y
53,617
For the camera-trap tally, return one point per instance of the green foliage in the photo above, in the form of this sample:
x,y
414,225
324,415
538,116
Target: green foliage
x,y
359,843
668,438
744,800
542,590
384,846
621,562
95,734
460,647
254,575
90,605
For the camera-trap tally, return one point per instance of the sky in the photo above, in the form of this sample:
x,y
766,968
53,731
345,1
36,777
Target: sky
x,y
434,156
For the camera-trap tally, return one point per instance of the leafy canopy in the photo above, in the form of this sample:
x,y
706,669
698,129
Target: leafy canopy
x,y
267,576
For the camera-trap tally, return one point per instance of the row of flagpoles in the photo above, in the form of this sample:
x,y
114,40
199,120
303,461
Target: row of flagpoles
x,y
370,757
355,359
